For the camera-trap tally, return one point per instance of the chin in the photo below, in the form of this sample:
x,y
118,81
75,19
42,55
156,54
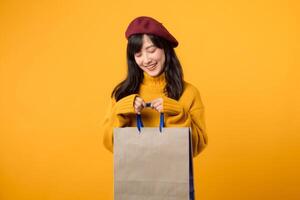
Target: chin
x,y
153,73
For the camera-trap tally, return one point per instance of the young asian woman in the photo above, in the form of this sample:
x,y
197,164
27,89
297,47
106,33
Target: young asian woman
x,y
154,84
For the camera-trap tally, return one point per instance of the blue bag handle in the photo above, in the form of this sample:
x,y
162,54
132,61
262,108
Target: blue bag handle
x,y
139,122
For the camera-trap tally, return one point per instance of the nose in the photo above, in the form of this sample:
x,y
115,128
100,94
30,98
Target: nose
x,y
146,60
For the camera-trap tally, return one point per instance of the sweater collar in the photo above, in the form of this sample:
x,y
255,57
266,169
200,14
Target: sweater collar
x,y
154,81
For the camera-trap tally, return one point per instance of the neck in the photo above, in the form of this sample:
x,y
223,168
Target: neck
x,y
154,80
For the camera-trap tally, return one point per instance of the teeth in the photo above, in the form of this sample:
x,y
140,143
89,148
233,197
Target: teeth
x,y
151,66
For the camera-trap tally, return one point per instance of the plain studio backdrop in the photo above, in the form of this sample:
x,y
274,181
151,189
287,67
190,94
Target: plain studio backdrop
x,y
59,61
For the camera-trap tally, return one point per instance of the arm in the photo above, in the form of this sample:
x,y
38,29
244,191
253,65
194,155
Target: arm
x,y
177,116
199,135
116,116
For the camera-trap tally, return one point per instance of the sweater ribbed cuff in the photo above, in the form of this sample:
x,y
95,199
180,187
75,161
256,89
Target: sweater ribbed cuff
x,y
125,105
171,106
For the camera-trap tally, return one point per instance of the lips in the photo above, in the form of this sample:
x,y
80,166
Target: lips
x,y
151,67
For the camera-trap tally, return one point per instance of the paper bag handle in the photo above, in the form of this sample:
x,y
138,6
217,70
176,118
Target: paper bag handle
x,y
139,122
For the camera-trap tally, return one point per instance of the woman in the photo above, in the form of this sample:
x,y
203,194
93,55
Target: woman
x,y
154,79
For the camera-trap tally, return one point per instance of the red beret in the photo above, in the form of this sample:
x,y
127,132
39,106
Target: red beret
x,y
149,25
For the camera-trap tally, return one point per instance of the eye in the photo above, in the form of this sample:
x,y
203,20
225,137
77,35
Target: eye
x,y
152,49
137,54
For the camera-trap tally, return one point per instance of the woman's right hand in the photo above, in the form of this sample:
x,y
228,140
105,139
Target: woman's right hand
x,y
139,104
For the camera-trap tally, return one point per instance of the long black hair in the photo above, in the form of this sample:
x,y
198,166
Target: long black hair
x,y
172,69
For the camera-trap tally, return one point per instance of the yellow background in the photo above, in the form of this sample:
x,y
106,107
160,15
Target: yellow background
x,y
59,61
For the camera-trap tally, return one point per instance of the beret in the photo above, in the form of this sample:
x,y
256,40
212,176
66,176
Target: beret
x,y
149,25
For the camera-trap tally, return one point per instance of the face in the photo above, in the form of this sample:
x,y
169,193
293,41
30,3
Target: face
x,y
150,58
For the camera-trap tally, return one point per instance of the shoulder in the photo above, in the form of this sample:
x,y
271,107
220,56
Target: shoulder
x,y
190,89
191,97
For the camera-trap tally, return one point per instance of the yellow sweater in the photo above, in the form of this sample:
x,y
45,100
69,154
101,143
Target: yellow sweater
x,y
188,111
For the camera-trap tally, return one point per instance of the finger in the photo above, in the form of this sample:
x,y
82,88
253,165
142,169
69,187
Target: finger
x,y
141,107
138,100
143,104
155,105
157,101
138,110
159,108
156,108
138,107
136,104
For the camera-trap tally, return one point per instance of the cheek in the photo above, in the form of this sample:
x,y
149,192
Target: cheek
x,y
161,59
138,61
160,56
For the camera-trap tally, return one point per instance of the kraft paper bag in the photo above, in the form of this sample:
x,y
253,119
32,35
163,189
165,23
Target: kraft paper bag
x,y
153,163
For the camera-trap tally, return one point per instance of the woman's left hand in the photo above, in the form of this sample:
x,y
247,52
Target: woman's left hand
x,y
157,104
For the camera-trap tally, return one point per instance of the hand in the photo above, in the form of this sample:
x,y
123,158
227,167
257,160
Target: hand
x,y
139,104
157,104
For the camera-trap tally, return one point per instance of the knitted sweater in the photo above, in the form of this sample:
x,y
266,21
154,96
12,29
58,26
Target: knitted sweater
x,y
188,111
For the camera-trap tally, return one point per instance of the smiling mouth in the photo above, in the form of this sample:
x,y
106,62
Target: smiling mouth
x,y
152,67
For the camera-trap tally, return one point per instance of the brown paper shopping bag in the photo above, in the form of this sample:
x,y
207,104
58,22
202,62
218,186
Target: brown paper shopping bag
x,y
153,163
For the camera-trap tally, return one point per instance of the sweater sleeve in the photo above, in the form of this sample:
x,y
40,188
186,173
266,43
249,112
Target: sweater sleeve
x,y
116,116
177,116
